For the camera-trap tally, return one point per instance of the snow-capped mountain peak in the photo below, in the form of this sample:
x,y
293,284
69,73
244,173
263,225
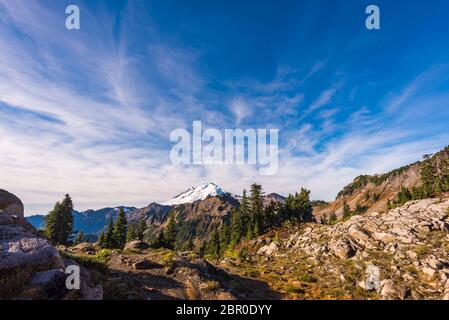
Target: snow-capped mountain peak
x,y
195,194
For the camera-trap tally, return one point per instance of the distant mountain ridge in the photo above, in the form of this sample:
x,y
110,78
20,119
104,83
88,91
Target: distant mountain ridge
x,y
90,222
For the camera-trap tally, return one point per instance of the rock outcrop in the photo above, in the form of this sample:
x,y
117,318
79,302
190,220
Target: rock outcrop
x,y
10,204
30,266
402,254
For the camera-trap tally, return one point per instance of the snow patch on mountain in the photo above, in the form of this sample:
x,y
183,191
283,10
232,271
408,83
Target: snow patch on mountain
x,y
196,194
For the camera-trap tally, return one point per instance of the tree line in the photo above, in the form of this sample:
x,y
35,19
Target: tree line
x,y
59,228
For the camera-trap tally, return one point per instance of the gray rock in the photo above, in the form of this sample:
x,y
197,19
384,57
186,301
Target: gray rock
x,y
28,250
136,245
392,291
268,249
146,264
342,248
51,281
10,204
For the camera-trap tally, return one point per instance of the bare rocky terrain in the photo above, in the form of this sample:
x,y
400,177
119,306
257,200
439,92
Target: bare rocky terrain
x,y
402,254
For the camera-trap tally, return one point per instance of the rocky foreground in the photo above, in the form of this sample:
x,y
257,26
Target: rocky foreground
x,y
402,254
30,266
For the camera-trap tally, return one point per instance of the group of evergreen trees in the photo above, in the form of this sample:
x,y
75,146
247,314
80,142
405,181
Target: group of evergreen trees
x,y
119,233
253,218
167,239
59,222
434,181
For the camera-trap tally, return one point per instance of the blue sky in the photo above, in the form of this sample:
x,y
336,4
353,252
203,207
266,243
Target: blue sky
x,y
90,111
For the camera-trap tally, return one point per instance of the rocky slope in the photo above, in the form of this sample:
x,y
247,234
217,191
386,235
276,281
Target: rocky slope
x,y
30,266
371,193
402,254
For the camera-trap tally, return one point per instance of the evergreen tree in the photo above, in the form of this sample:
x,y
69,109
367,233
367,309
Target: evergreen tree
x,y
416,193
332,218
225,236
120,230
239,220
141,229
109,236
256,208
346,210
59,222
213,247
170,235
303,205
427,179
79,238
160,240
131,233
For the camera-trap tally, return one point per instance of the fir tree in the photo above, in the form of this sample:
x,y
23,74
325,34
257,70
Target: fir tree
x,y
256,208
160,240
109,236
120,230
141,229
225,236
213,247
346,210
131,233
332,218
170,235
59,222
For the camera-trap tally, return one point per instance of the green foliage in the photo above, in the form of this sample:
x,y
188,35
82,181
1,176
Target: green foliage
x,y
120,231
332,218
214,247
170,235
59,222
346,211
109,235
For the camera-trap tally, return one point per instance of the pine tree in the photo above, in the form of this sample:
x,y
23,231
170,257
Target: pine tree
x,y
170,235
256,208
59,222
225,236
160,240
131,233
303,206
109,236
120,230
213,247
346,210
141,229
79,238
239,220
427,179
332,218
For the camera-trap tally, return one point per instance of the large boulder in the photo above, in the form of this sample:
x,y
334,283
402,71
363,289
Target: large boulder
x,y
52,282
10,204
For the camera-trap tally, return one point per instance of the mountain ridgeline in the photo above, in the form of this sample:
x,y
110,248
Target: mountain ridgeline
x,y
379,193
